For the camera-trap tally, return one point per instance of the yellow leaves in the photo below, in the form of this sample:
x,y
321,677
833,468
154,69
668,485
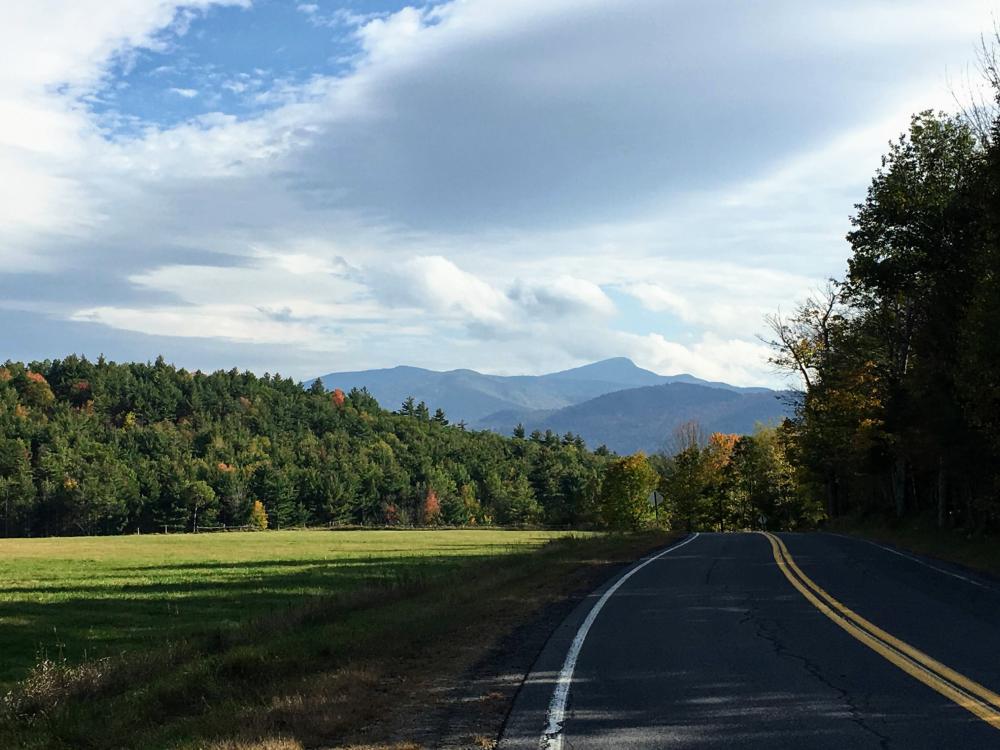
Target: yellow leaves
x,y
258,516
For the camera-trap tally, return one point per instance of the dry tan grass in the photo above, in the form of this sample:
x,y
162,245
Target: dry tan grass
x,y
269,743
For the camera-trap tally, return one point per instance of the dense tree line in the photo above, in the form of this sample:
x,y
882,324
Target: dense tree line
x,y
102,448
900,361
734,482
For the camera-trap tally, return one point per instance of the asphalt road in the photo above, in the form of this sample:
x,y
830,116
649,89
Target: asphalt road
x,y
712,646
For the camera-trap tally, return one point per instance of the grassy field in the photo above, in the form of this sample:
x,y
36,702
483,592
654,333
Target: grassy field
x,y
279,639
90,597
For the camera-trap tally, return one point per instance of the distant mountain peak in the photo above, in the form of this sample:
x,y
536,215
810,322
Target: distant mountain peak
x,y
616,369
470,396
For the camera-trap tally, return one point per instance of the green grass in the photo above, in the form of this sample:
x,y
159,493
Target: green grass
x,y
278,639
76,598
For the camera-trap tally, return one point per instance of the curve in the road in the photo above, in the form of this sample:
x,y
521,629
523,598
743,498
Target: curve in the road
x,y
712,648
967,693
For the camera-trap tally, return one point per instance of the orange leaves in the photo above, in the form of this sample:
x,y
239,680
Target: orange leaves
x,y
431,512
337,397
35,391
720,451
225,468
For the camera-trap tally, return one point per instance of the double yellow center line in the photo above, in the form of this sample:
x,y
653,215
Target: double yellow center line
x,y
966,693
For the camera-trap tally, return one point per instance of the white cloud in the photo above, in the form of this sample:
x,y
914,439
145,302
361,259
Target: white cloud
x,y
185,93
436,284
51,53
562,295
473,187
232,322
711,357
725,297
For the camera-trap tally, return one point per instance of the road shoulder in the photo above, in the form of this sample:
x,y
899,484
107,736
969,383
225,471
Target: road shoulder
x,y
527,716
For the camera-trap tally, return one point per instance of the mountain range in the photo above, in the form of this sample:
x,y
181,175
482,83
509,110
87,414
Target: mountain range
x,y
612,402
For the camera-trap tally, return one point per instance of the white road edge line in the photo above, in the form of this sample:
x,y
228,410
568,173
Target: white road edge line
x,y
917,560
552,736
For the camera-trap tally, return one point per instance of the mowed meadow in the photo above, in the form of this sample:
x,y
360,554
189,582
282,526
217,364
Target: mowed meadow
x,y
300,638
90,597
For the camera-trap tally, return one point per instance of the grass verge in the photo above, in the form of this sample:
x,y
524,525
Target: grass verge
x,y
370,664
976,552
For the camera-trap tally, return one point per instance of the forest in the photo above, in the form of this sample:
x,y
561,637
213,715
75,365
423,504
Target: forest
x,y
105,448
102,448
899,361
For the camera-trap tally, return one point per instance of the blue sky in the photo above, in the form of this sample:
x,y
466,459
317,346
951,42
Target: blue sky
x,y
506,185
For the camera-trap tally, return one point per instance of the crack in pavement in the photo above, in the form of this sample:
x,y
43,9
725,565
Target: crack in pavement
x,y
771,636
711,569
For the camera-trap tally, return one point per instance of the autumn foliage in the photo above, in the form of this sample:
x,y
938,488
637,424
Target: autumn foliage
x,y
258,516
431,512
720,451
35,390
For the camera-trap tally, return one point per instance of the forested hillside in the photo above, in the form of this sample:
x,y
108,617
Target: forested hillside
x,y
108,448
105,448
900,361
644,418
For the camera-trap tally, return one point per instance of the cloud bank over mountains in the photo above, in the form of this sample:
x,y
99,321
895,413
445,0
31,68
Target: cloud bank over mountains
x,y
506,185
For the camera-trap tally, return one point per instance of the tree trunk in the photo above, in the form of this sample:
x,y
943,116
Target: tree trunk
x,y
899,485
942,493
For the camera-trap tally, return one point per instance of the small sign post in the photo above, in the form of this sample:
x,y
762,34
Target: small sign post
x,y
656,500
